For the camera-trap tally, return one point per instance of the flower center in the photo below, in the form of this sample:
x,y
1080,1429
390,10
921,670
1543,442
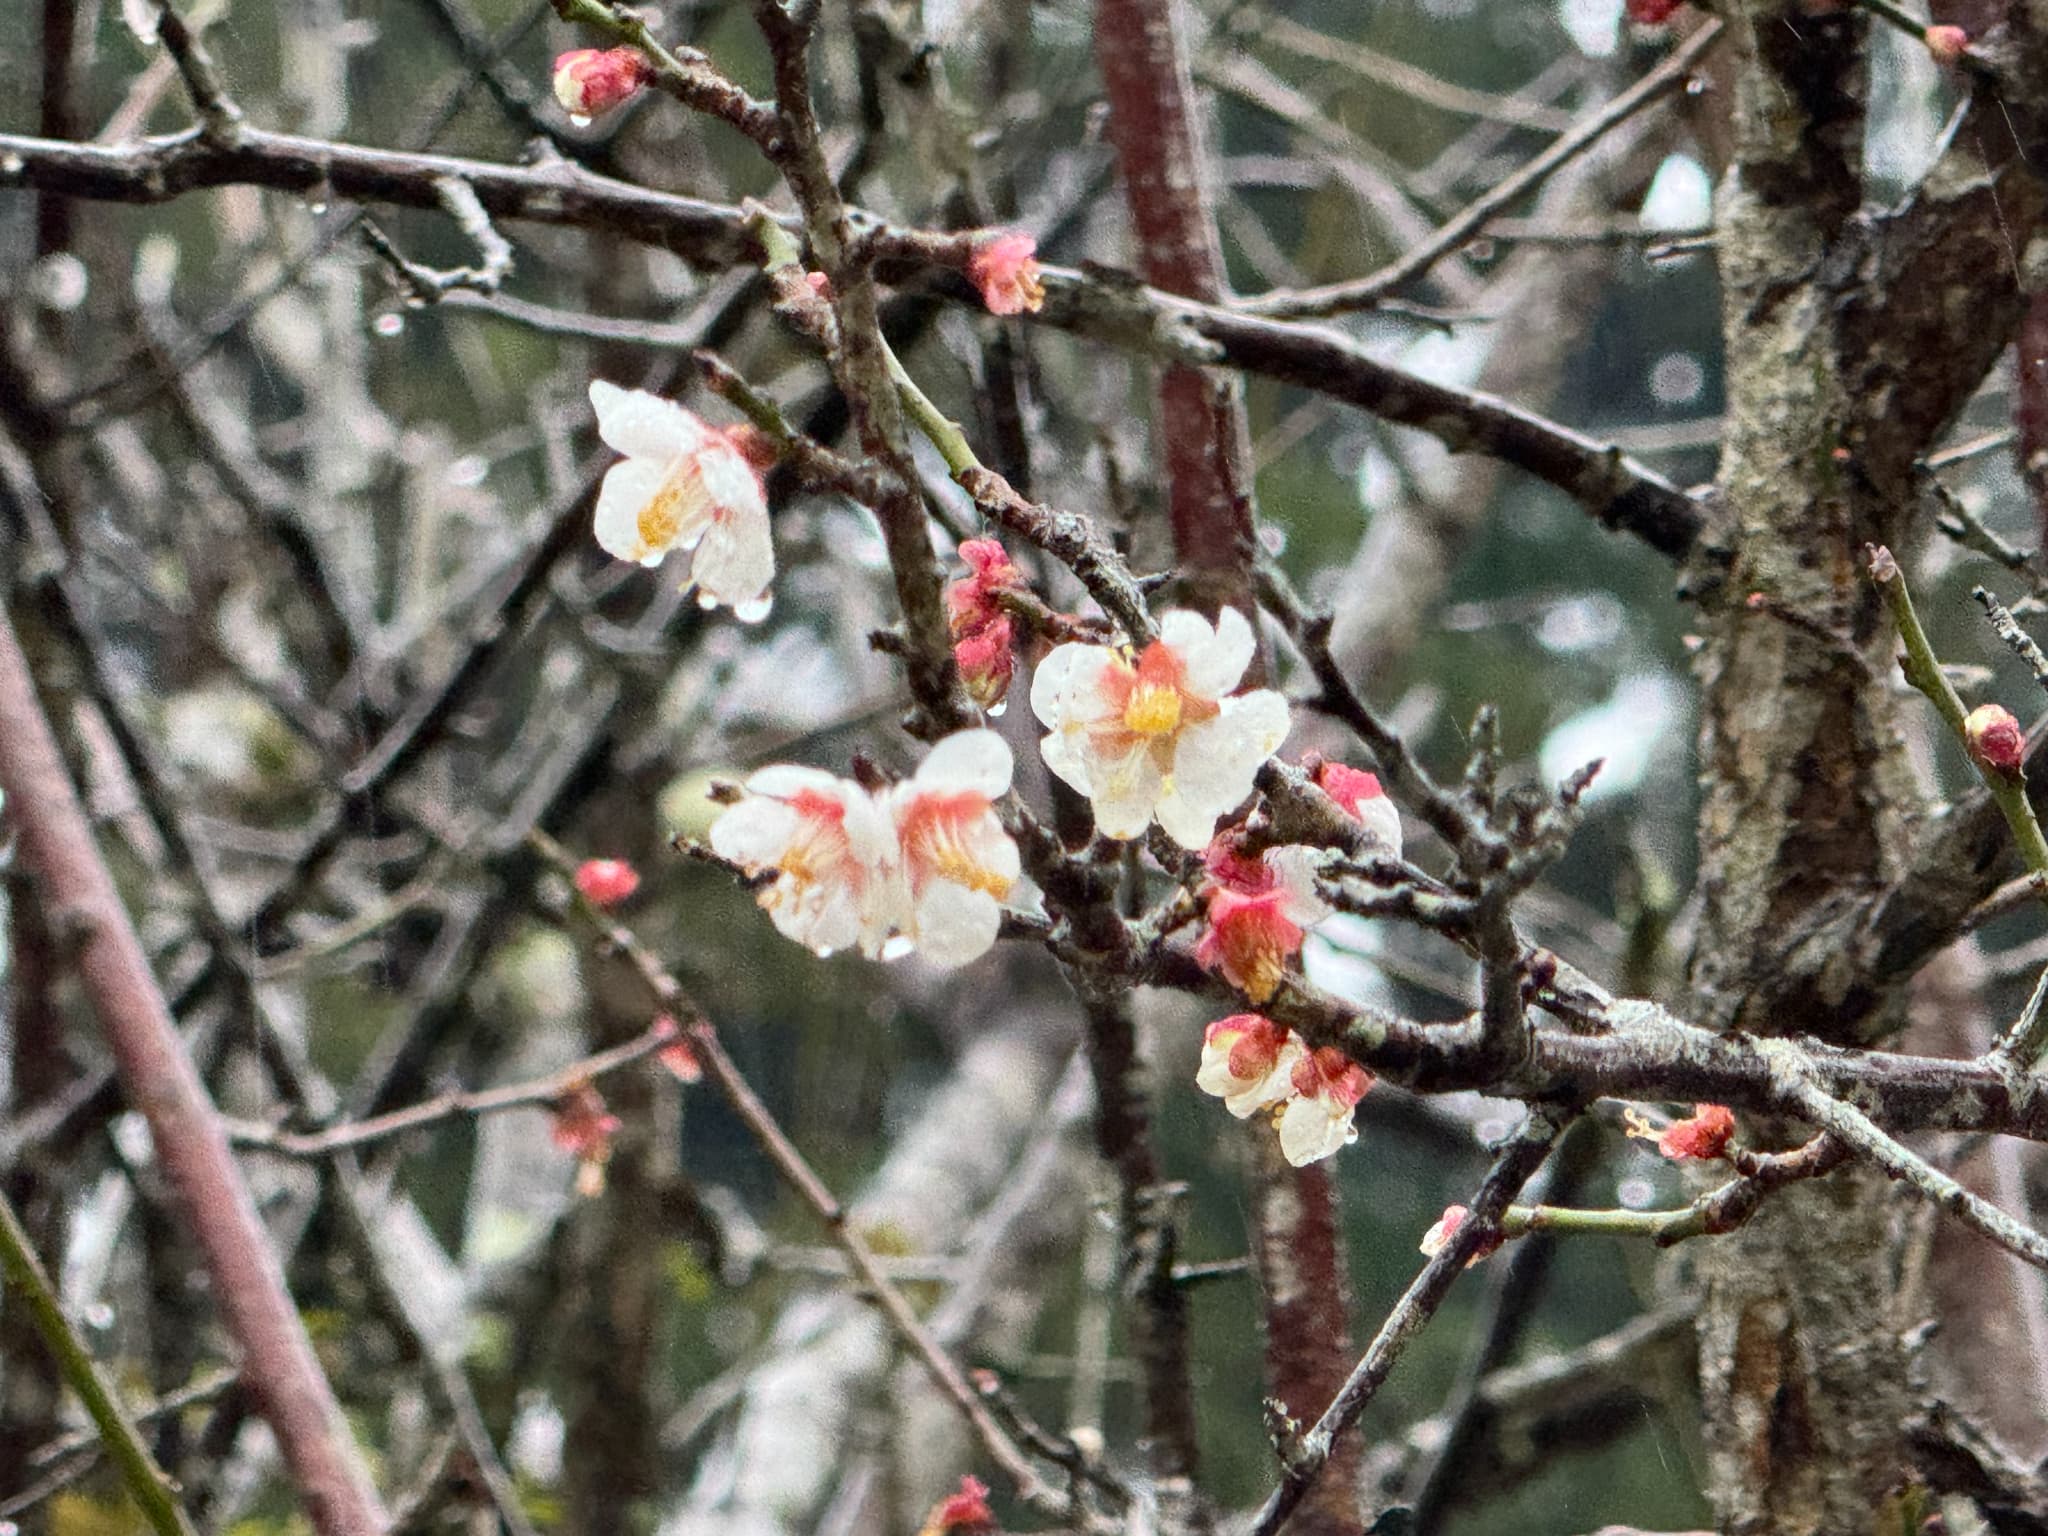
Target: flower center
x,y
1152,710
662,518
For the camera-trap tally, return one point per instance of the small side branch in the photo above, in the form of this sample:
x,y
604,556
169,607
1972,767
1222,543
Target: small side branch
x,y
1516,1165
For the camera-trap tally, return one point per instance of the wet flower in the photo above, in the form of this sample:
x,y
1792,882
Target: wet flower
x,y
984,638
606,882
1438,1237
1005,268
1945,44
966,1511
684,485
584,1128
1258,912
1248,1062
957,863
1155,736
1996,740
1318,1118
1703,1138
589,81
1360,794
832,850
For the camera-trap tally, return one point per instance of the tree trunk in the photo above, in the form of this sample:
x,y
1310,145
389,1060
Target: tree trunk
x,y
1803,1371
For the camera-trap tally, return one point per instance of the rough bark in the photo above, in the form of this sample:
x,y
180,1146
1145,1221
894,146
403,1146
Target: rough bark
x,y
1807,786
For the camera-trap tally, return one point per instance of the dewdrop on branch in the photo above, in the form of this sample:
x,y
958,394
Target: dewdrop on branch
x,y
685,485
1159,736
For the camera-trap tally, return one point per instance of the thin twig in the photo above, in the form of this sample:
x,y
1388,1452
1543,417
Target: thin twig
x,y
1338,298
702,1036
1516,1164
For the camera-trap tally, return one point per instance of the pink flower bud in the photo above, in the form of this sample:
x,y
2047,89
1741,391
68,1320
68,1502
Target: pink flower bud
x,y
606,882
1945,45
965,1511
1005,268
1651,13
987,662
678,1055
593,80
1438,1237
584,1128
1996,740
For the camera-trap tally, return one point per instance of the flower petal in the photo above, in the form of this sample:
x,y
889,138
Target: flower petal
x,y
956,925
1214,762
629,486
644,426
1124,793
755,833
1310,1133
976,762
1216,659
1067,681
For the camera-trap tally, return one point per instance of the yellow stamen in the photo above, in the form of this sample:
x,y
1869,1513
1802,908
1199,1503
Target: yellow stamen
x,y
1152,710
662,517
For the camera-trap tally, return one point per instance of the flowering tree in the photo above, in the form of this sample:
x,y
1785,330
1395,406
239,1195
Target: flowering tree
x,y
785,766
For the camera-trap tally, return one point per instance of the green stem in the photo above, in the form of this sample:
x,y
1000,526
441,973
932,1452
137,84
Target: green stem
x,y
779,249
145,1479
1922,669
1659,1226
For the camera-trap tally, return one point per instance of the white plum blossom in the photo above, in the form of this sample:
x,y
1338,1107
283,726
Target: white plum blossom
x,y
957,863
1159,736
1318,1118
683,485
1248,1062
923,866
833,851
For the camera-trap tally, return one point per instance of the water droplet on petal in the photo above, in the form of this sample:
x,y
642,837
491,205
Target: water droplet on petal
x,y
823,951
995,710
753,612
706,600
897,946
389,324
578,120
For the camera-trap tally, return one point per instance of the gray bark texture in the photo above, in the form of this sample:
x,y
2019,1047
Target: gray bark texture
x,y
1809,794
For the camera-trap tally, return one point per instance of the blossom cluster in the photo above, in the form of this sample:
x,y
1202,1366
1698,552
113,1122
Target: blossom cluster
x,y
923,865
1254,1064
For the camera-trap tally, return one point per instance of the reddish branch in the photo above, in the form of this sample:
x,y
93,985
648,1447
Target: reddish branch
x,y
1206,447
283,1378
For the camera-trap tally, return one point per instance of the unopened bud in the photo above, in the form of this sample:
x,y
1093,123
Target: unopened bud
x,y
589,81
1996,741
1945,45
606,882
